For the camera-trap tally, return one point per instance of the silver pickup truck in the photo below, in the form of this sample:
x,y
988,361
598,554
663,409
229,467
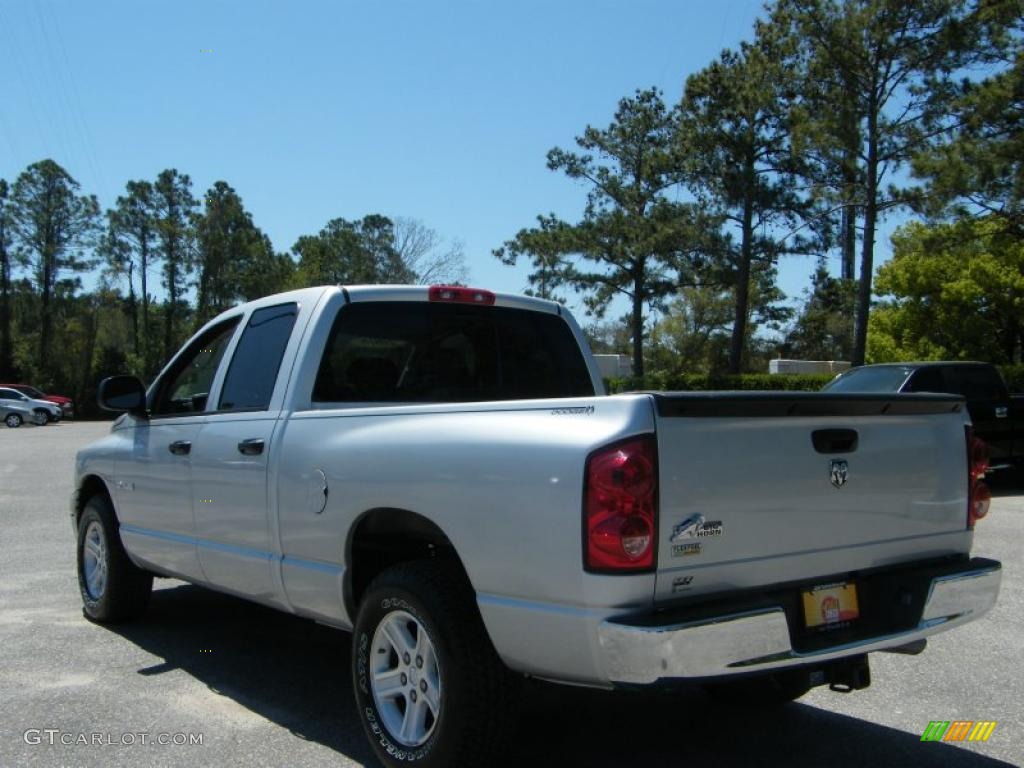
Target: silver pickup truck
x,y
439,471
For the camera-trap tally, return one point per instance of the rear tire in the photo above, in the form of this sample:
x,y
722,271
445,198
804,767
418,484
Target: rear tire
x,y
453,705
759,692
113,588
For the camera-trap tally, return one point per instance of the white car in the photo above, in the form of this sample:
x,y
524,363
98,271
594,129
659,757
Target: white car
x,y
39,412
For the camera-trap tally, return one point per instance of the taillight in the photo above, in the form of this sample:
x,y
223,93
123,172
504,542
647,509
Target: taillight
x,y
978,494
457,294
620,491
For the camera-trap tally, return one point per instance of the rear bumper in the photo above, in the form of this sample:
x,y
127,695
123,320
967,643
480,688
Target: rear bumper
x,y
762,639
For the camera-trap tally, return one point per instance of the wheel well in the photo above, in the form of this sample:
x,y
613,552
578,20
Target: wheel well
x,y
92,485
382,538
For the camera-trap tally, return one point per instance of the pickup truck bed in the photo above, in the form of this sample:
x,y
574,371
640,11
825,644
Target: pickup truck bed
x,y
439,472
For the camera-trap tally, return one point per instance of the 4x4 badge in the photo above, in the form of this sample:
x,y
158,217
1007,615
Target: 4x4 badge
x,y
839,471
695,527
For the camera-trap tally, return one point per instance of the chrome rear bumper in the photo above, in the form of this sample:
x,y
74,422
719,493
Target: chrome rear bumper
x,y
760,640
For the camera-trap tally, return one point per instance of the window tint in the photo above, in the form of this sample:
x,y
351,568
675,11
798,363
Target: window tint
x,y
254,366
976,382
927,380
11,394
884,378
186,386
423,353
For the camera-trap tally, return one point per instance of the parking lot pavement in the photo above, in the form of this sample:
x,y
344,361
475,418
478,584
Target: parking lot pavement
x,y
263,688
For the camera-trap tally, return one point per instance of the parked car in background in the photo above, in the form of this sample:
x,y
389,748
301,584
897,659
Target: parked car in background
x,y
14,413
66,404
40,411
997,416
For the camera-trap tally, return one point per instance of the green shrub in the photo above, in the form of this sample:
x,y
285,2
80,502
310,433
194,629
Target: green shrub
x,y
694,382
1014,376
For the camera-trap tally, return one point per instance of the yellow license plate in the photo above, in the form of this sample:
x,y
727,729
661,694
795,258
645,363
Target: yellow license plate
x,y
830,604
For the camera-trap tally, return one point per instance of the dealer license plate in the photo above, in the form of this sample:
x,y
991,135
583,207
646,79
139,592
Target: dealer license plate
x,y
830,604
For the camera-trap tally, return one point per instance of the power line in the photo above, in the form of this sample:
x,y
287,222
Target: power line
x,y
30,89
90,147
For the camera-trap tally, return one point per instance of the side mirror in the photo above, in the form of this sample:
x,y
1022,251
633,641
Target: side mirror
x,y
122,393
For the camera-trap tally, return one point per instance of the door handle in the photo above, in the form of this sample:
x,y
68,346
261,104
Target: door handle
x,y
1002,411
251,447
834,440
180,447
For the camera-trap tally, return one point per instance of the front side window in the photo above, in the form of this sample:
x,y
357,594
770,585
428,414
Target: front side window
x,y
416,352
882,378
11,394
253,371
186,386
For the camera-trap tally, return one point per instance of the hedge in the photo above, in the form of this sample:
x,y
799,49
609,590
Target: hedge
x,y
1014,376
691,382
702,381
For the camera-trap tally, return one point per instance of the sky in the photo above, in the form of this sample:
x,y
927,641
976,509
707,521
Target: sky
x,y
439,111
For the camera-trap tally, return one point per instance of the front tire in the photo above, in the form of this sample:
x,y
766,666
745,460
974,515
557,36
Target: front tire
x,y
13,420
40,417
429,687
113,588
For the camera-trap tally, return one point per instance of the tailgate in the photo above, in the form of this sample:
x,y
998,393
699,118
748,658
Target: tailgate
x,y
767,488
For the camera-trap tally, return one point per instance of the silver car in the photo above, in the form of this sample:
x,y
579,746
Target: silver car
x,y
38,411
14,414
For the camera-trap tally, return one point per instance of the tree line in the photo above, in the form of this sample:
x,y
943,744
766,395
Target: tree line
x,y
200,256
834,115
799,142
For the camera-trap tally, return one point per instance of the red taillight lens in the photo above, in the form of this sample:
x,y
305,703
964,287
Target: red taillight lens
x,y
457,294
979,497
620,507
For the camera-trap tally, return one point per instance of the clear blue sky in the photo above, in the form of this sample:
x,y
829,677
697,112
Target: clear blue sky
x,y
440,111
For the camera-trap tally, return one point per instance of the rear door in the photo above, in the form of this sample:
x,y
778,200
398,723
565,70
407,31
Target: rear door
x,y
14,402
761,490
229,460
988,403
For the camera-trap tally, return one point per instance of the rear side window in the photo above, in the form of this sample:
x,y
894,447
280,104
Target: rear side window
x,y
415,352
927,380
254,367
975,382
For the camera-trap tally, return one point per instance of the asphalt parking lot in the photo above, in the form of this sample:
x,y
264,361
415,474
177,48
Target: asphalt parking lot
x,y
263,688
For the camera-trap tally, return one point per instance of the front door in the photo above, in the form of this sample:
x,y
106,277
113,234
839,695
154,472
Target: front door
x,y
153,485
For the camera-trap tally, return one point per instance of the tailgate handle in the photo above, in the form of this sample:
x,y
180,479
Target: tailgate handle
x,y
834,440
